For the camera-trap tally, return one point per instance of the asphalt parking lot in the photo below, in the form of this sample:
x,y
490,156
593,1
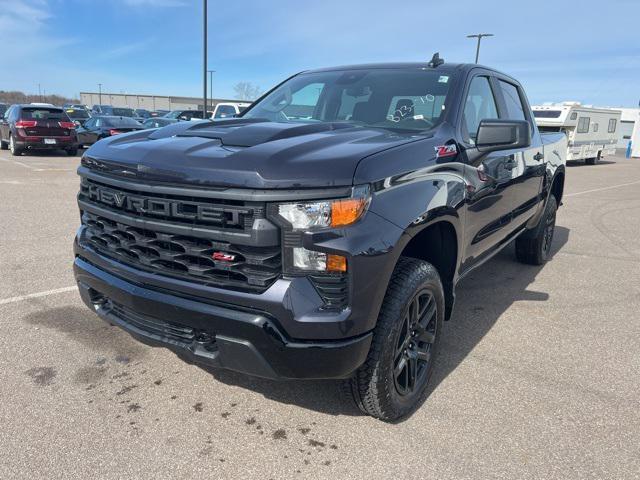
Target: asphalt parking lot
x,y
539,376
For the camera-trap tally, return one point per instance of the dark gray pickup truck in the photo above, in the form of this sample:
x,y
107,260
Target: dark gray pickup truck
x,y
322,232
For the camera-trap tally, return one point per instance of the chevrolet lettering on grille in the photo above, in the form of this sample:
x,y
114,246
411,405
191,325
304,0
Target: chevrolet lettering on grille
x,y
227,216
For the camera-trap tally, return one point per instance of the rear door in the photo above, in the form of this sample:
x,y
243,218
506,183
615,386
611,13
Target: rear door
x,y
88,135
528,167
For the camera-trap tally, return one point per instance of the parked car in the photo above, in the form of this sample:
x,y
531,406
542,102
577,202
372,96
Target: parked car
x,y
228,110
37,127
77,115
325,244
185,115
97,128
113,111
159,113
141,114
158,122
76,106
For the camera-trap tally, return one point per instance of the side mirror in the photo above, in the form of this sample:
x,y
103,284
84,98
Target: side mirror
x,y
494,135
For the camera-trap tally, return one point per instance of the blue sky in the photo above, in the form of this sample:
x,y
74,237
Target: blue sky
x,y
587,51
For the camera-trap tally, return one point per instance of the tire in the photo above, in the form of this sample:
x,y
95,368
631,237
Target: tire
x,y
72,152
382,386
594,160
15,150
3,145
533,248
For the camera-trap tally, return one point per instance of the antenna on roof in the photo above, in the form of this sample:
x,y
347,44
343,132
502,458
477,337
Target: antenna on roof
x,y
436,60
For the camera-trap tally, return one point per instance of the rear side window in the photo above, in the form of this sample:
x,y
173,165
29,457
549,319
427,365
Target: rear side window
x,y
512,101
40,113
583,124
121,122
479,105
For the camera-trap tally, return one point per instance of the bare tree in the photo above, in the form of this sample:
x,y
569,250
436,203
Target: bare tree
x,y
21,97
246,91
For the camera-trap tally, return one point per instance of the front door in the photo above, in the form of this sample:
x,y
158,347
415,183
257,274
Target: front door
x,y
489,176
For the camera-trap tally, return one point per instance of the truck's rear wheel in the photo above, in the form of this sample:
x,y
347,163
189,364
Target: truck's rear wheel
x,y
393,381
534,247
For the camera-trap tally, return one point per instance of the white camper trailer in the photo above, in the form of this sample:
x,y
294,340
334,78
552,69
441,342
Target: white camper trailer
x,y
591,132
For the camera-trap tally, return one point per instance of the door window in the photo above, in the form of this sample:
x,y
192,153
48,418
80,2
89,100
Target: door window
x,y
479,105
512,100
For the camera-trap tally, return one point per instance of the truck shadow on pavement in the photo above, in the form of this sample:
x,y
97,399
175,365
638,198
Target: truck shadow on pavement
x,y
482,298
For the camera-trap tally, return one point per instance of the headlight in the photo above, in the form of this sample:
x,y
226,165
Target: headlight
x,y
326,213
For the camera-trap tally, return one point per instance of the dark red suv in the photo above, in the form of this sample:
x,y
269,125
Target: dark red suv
x,y
35,127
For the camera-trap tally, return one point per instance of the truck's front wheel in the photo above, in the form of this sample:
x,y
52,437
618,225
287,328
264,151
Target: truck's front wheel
x,y
392,383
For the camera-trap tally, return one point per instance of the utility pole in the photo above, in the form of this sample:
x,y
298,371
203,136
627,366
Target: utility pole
x,y
39,93
479,37
204,40
211,72
99,94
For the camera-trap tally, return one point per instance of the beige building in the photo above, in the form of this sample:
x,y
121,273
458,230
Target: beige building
x,y
148,102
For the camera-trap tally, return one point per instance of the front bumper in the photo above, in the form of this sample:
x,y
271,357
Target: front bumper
x,y
283,332
217,335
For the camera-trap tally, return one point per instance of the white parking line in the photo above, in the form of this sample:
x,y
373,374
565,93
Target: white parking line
x,y
21,298
602,189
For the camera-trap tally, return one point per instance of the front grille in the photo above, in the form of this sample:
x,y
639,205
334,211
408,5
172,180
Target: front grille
x,y
178,210
153,325
177,236
184,257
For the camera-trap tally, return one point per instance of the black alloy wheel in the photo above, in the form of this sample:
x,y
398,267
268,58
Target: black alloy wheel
x,y
414,343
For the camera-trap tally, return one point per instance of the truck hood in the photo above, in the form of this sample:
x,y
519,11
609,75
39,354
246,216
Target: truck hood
x,y
250,153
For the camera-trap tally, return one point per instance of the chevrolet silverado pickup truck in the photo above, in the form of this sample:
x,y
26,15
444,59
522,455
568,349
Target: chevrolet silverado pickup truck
x,y
320,234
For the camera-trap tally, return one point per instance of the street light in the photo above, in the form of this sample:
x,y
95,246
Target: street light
x,y
204,39
211,72
99,94
479,37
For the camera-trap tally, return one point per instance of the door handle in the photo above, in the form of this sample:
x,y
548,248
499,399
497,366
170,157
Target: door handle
x,y
538,156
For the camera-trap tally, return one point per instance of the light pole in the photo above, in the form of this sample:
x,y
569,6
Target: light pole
x,y
204,40
211,72
99,94
479,37
39,93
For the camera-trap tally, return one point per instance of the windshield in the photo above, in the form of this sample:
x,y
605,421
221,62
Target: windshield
x,y
402,99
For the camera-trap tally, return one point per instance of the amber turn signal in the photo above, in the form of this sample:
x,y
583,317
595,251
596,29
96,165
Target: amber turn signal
x,y
336,263
345,212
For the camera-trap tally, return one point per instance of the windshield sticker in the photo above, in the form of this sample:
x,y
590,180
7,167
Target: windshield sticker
x,y
443,79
